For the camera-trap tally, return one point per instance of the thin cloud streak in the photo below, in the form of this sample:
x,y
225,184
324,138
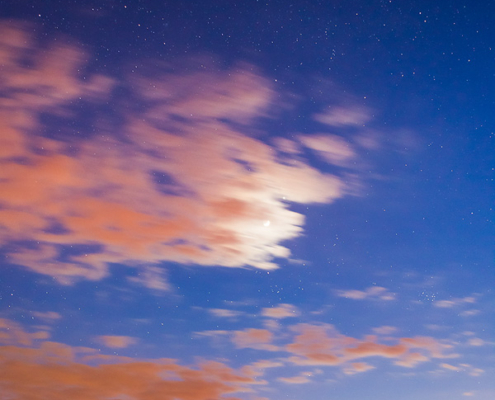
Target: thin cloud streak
x,y
373,292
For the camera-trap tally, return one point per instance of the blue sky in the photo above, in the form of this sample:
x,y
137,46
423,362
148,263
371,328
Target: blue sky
x,y
254,200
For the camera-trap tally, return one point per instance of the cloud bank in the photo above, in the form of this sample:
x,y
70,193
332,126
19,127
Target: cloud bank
x,y
175,181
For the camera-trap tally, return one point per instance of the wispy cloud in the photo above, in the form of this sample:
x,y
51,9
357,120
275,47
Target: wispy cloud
x,y
152,277
224,313
455,302
117,342
281,311
47,316
324,345
340,116
469,313
296,380
373,292
332,149
209,196
11,333
358,367
463,367
385,330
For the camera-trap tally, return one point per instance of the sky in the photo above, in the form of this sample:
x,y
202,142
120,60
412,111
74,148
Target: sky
x,y
247,200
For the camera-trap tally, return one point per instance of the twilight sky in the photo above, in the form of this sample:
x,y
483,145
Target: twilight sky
x,y
254,200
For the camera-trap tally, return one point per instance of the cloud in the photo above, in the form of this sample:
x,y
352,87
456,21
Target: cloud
x,y
259,339
450,367
223,313
177,183
296,380
48,316
476,342
52,371
373,292
11,333
385,330
410,360
213,333
323,345
272,325
455,302
151,277
340,116
331,148
355,368
282,311
467,368
469,313
262,364
117,342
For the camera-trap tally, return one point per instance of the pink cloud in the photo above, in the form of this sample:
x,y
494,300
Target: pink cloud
x,y
210,196
47,373
223,313
49,316
281,311
323,345
54,370
463,367
11,333
455,302
357,367
385,330
295,380
117,342
373,292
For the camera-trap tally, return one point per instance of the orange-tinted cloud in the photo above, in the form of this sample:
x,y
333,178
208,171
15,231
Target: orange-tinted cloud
x,y
369,349
55,371
281,311
50,372
117,342
358,367
177,183
11,333
317,345
323,345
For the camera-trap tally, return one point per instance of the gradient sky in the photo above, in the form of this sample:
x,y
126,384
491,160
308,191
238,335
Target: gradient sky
x,y
255,200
